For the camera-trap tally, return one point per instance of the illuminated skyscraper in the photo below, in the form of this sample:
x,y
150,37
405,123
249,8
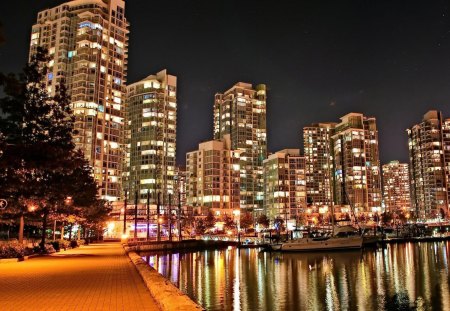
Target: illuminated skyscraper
x,y
285,185
151,136
396,194
241,113
87,41
429,155
319,163
357,163
213,177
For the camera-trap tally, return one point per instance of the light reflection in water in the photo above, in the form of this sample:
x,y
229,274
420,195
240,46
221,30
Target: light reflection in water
x,y
400,276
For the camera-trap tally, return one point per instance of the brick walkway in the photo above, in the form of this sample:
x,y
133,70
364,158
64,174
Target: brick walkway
x,y
94,277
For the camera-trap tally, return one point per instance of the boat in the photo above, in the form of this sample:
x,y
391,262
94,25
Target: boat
x,y
343,238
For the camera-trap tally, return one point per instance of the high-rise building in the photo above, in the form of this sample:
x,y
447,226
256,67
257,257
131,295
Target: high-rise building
x,y
180,185
241,113
357,163
319,163
396,194
151,137
429,146
285,185
87,42
213,177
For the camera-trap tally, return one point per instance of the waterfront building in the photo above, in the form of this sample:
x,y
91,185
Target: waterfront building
x,y
241,113
180,185
396,190
319,163
429,155
151,137
213,177
285,185
356,163
87,42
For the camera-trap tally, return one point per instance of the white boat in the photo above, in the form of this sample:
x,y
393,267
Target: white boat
x,y
344,238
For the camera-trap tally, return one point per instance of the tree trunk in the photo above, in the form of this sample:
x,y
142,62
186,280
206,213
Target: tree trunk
x,y
44,229
70,232
79,233
62,231
21,226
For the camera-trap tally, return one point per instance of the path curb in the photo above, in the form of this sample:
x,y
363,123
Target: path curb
x,y
167,295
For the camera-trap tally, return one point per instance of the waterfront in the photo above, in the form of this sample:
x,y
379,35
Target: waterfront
x,y
399,276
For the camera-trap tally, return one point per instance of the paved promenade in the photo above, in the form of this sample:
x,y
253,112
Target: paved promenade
x,y
93,277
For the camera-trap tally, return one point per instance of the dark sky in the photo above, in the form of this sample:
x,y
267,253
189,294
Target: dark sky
x,y
320,59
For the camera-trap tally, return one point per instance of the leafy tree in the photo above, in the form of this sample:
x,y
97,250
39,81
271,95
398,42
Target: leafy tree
x,y
279,224
200,227
229,223
386,218
246,220
263,221
210,220
40,162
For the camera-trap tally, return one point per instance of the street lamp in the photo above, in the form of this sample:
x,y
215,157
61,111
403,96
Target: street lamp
x,y
237,214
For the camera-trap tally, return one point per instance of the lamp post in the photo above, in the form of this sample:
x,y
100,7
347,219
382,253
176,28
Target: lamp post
x,y
135,212
237,214
158,207
125,213
148,214
180,236
170,217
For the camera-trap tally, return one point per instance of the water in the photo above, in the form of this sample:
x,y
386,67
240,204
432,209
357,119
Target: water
x,y
410,276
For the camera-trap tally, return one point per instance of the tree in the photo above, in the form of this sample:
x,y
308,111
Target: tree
x,y
40,162
210,220
386,218
263,221
228,222
246,220
200,227
279,224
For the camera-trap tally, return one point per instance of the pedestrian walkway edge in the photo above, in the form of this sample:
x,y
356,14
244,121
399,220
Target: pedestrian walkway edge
x,y
167,295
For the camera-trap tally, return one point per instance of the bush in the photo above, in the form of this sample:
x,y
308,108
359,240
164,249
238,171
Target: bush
x,y
80,242
64,244
56,245
73,244
12,250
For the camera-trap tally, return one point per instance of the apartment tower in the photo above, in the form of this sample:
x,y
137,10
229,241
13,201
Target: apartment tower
x,y
151,137
429,155
87,42
213,177
285,185
241,113
396,193
319,163
357,164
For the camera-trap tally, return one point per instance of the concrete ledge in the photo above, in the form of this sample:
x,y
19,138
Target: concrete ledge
x,y
167,295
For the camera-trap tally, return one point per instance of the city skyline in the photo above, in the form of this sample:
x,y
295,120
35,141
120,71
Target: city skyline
x,y
310,87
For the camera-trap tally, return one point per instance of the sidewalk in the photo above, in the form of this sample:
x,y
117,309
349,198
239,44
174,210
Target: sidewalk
x,y
93,277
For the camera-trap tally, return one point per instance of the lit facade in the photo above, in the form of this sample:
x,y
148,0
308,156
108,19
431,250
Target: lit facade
x,y
151,137
87,41
396,190
357,164
319,163
285,185
241,113
213,177
180,185
428,144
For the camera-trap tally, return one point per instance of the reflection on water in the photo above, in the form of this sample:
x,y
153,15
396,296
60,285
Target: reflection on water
x,y
398,277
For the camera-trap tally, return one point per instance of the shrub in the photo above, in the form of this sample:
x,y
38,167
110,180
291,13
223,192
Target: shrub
x,y
12,250
73,244
56,245
64,244
80,242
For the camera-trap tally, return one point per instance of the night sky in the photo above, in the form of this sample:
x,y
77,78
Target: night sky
x,y
319,59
